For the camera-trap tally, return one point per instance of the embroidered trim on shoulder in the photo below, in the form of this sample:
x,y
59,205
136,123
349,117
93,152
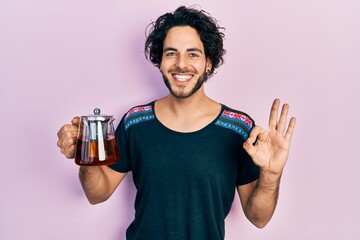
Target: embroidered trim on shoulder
x,y
236,121
137,115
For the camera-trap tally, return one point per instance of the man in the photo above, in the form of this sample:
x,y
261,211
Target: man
x,y
187,152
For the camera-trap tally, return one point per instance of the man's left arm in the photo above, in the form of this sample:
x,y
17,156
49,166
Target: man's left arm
x,y
269,150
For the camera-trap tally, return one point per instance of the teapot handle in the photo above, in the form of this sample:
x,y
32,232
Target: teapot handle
x,y
111,119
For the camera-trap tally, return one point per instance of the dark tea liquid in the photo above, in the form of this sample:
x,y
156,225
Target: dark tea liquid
x,y
87,153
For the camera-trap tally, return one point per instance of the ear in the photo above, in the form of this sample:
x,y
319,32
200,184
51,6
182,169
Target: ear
x,y
208,64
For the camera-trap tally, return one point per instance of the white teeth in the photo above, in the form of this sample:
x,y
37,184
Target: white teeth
x,y
181,77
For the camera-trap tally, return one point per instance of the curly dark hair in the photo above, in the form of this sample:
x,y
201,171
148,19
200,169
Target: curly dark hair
x,y
209,31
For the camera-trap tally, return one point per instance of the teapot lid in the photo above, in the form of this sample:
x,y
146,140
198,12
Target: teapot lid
x,y
97,116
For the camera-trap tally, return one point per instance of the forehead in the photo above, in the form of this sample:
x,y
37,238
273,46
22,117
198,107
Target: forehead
x,y
183,37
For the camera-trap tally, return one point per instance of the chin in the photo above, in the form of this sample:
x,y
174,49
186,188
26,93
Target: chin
x,y
183,95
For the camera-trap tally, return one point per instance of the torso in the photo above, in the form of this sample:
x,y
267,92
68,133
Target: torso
x,y
185,176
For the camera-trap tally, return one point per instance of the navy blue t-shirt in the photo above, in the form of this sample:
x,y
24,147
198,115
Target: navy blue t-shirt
x,y
185,181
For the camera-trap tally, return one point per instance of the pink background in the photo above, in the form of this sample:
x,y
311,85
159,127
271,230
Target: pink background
x,y
62,58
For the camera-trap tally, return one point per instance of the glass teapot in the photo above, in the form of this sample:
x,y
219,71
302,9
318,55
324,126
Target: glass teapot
x,y
96,143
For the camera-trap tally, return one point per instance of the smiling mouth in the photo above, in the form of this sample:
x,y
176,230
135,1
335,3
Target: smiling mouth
x,y
182,77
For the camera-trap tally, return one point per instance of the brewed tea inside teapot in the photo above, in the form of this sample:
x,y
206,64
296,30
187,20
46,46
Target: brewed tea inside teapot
x,y
96,143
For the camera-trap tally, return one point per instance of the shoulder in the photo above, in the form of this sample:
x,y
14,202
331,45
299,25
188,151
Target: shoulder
x,y
139,114
237,116
236,120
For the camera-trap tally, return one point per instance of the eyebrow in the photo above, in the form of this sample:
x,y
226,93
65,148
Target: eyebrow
x,y
195,49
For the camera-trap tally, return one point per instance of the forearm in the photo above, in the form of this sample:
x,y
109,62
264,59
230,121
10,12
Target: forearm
x,y
95,183
263,199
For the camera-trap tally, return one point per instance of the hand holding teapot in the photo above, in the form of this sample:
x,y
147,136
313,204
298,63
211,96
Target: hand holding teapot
x,y
90,139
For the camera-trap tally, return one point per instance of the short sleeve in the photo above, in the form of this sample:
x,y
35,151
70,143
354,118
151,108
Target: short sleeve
x,y
124,165
247,171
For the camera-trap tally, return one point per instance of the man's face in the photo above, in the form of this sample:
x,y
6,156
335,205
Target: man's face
x,y
183,63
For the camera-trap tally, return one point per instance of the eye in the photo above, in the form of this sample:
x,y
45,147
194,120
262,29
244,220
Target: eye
x,y
170,54
193,55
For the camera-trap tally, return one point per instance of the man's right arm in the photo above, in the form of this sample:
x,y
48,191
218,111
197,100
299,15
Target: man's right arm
x,y
99,182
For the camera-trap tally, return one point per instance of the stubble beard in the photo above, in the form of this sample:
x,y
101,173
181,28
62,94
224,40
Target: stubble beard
x,y
183,94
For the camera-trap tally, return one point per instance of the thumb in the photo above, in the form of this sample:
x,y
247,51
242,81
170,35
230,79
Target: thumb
x,y
76,121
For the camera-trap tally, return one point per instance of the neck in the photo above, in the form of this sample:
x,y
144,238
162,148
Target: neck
x,y
187,114
183,106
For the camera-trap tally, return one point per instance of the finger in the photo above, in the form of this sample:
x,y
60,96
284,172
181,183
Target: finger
x,y
65,128
283,116
67,138
66,132
290,130
68,143
255,132
68,147
59,143
274,113
249,147
76,121
60,132
262,137
69,153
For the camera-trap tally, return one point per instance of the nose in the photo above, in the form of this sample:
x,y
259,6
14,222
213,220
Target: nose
x,y
181,61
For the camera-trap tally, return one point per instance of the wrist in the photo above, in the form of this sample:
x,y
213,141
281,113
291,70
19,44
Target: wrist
x,y
269,180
